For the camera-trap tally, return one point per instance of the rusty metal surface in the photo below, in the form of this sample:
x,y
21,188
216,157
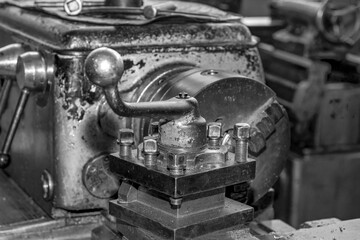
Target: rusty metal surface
x,y
64,35
108,13
73,123
75,106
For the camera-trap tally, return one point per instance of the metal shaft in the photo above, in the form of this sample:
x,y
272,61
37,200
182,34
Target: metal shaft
x,y
125,150
5,90
4,155
241,150
150,160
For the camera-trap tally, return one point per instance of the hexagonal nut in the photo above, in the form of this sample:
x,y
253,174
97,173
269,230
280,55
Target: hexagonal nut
x,y
176,161
214,130
150,145
241,131
257,141
126,136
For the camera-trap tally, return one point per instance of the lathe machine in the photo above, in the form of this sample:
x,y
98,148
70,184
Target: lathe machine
x,y
144,120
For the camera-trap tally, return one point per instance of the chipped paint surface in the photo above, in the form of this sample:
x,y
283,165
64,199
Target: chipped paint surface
x,y
79,137
76,133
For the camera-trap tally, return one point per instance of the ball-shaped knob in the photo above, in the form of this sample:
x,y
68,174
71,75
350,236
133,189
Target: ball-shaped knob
x,y
4,160
104,67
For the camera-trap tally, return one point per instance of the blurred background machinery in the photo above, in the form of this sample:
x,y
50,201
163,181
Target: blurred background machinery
x,y
312,63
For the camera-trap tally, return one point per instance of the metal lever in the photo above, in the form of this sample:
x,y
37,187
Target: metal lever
x,y
104,67
8,60
31,76
4,155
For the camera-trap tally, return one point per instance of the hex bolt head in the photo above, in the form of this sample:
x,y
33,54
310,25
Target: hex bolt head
x,y
176,164
214,133
126,140
150,150
214,130
126,136
73,7
241,131
241,136
150,145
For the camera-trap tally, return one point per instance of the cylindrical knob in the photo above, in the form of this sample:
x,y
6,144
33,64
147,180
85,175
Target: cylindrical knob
x,y
31,72
4,160
104,67
8,61
9,57
241,136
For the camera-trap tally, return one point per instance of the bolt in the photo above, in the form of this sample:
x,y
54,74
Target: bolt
x,y
47,185
126,140
73,7
241,136
175,202
154,129
214,133
150,151
176,164
183,95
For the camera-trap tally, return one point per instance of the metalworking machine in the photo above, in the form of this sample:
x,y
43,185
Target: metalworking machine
x,y
312,63
134,115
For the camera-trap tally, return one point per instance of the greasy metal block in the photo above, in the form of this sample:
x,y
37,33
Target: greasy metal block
x,y
189,204
190,183
169,227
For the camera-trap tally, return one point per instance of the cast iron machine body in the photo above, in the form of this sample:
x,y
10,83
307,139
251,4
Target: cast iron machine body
x,y
69,117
